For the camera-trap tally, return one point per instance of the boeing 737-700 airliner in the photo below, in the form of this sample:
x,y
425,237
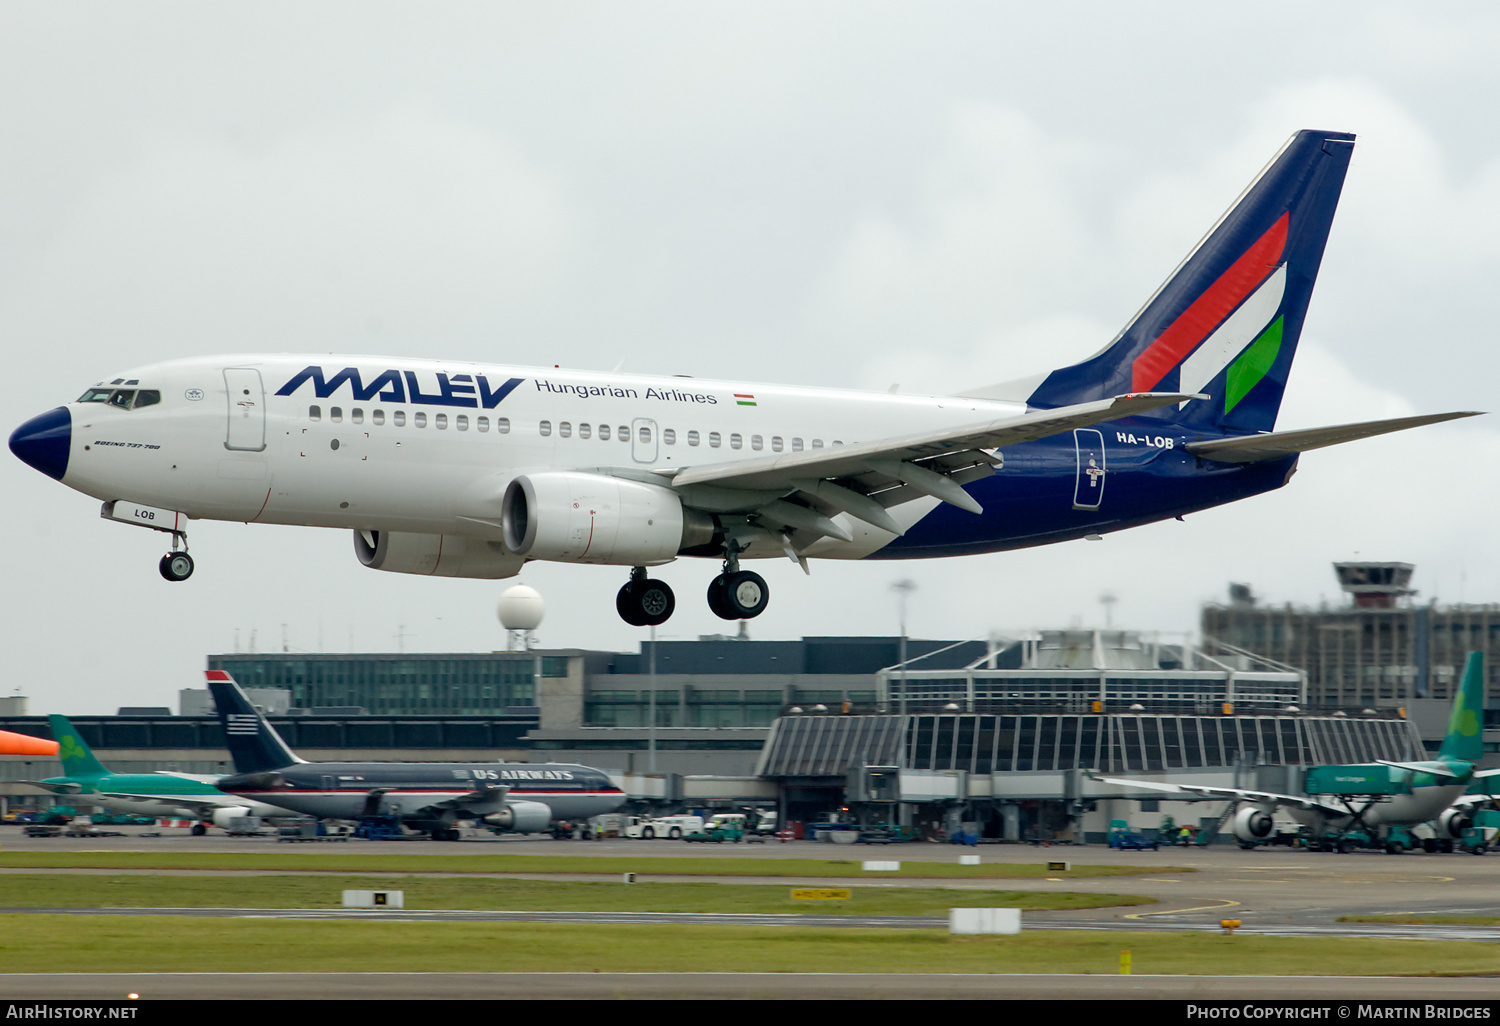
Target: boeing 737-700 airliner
x,y
469,470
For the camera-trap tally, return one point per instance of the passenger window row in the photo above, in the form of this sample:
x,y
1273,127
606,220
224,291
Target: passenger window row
x,y
565,429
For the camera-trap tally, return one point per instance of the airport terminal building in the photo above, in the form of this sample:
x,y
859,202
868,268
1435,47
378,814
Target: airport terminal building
x,y
996,734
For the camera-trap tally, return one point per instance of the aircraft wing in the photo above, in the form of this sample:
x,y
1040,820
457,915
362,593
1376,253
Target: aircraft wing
x,y
1254,448
196,804
1204,792
864,480
482,801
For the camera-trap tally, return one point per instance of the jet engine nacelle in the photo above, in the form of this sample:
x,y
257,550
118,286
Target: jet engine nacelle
x,y
225,813
435,555
575,517
1252,824
522,817
1453,823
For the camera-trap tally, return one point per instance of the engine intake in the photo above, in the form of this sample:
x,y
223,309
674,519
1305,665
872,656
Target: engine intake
x,y
575,517
435,555
1252,824
1453,822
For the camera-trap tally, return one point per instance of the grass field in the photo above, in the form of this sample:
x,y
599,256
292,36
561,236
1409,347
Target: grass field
x,y
71,943
326,860
25,890
36,942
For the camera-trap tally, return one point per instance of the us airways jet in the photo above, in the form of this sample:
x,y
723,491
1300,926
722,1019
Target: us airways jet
x,y
430,796
469,470
1430,791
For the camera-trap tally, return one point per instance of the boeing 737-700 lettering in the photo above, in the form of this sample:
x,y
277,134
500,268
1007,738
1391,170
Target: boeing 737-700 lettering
x,y
460,470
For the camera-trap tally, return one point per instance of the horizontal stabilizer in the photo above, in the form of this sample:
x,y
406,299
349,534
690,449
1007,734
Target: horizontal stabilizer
x,y
1254,448
1435,769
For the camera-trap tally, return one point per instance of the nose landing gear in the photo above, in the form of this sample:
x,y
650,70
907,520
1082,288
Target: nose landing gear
x,y
177,566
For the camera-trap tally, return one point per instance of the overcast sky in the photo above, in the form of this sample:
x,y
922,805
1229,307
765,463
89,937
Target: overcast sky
x,y
841,194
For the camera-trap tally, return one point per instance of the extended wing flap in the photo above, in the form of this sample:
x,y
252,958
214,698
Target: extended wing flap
x,y
1254,448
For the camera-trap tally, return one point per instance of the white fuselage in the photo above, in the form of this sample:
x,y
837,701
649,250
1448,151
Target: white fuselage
x,y
1423,805
433,449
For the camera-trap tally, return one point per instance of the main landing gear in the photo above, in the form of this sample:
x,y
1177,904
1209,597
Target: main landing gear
x,y
645,602
739,595
734,595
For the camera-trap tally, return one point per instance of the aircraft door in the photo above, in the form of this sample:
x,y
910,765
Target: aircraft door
x,y
1088,489
247,410
643,440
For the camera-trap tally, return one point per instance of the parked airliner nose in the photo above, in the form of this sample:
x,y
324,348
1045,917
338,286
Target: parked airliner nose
x,y
43,442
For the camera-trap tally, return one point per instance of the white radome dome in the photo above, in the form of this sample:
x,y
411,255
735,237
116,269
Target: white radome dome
x,y
521,609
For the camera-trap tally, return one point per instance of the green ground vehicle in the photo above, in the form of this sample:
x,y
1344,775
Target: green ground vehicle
x,y
718,834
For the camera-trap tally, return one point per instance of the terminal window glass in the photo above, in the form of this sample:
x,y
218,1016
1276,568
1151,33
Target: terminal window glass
x,y
1151,742
1192,750
984,745
1005,743
1171,741
1130,738
1026,744
921,753
1088,743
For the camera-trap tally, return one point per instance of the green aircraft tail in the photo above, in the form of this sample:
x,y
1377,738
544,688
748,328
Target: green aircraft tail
x,y
1464,739
77,758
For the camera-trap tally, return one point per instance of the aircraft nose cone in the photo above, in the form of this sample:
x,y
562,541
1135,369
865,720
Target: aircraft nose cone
x,y
43,442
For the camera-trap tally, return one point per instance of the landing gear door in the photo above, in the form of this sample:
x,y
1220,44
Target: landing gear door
x,y
1088,490
247,410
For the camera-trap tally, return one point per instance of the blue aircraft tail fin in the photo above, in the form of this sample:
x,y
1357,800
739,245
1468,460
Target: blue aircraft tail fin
x,y
1465,739
253,743
1226,323
77,757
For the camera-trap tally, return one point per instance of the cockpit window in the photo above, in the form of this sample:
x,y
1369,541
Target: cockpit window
x,y
124,398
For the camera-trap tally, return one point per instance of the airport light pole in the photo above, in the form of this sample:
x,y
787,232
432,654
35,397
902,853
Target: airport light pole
x,y
903,588
651,706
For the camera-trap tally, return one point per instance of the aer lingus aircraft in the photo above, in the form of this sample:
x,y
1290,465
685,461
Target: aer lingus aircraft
x,y
189,795
428,796
1429,791
469,470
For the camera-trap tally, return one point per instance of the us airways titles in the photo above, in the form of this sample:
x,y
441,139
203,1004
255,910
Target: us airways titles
x,y
489,774
472,391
